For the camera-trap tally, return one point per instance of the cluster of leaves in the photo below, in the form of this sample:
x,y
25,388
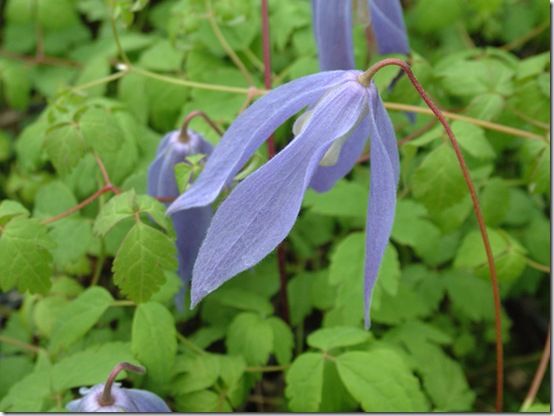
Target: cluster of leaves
x,y
84,289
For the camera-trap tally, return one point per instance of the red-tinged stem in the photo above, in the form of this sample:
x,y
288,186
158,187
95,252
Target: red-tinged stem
x,y
271,150
183,135
539,375
365,79
80,205
105,176
107,399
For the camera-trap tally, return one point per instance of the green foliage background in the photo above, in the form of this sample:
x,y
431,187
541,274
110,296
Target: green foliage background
x,y
82,292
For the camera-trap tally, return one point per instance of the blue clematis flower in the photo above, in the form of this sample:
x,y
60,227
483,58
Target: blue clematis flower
x,y
261,210
124,400
191,224
332,21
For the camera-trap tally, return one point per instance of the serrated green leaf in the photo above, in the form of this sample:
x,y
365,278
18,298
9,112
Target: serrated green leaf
x,y
304,393
10,209
154,341
472,139
79,316
25,258
116,210
197,372
381,381
348,199
65,147
327,339
101,131
251,336
148,205
438,181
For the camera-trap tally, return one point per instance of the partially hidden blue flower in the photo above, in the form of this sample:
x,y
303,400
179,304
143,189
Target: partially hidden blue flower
x,y
190,224
332,21
124,400
261,210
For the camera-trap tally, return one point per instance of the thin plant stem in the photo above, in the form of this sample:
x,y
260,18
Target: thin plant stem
x,y
183,136
99,264
79,206
254,59
365,79
106,399
538,266
20,344
120,49
100,81
475,121
193,84
272,150
117,303
225,45
189,344
41,60
516,43
539,375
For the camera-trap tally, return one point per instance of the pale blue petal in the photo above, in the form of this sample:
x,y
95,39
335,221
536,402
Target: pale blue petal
x,y
388,26
262,209
382,200
333,33
250,130
326,176
147,402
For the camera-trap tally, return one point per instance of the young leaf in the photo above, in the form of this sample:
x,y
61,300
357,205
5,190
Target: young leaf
x,y
381,381
154,341
116,210
305,382
141,261
25,258
79,316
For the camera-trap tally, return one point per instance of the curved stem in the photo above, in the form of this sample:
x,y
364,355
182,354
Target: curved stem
x,y
539,375
106,398
272,150
365,79
120,49
183,135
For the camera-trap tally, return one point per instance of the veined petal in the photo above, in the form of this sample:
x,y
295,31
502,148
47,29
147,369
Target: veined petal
x,y
333,33
250,130
388,26
382,199
147,402
326,176
262,209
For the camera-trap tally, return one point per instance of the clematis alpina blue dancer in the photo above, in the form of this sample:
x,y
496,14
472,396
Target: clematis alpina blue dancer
x,y
111,398
190,225
261,210
332,21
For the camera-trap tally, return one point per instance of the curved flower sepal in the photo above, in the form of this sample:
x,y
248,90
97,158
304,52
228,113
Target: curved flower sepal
x,y
384,175
191,224
332,20
261,210
124,400
387,22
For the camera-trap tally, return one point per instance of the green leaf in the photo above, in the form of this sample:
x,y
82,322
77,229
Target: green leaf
x,y
283,340
10,209
116,210
200,372
202,401
472,139
327,339
438,181
381,381
304,392
495,201
470,295
25,258
15,84
14,368
154,341
73,236
79,316
91,366
251,336
52,199
97,67
65,146
141,261
345,199
101,131
537,239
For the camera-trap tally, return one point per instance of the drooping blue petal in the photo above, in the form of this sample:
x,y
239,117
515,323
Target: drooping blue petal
x,y
332,21
191,224
388,26
326,176
250,130
262,209
125,400
382,199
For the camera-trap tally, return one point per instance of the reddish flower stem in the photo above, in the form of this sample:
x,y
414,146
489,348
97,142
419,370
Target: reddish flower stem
x,y
183,136
80,205
106,399
271,150
365,79
539,375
